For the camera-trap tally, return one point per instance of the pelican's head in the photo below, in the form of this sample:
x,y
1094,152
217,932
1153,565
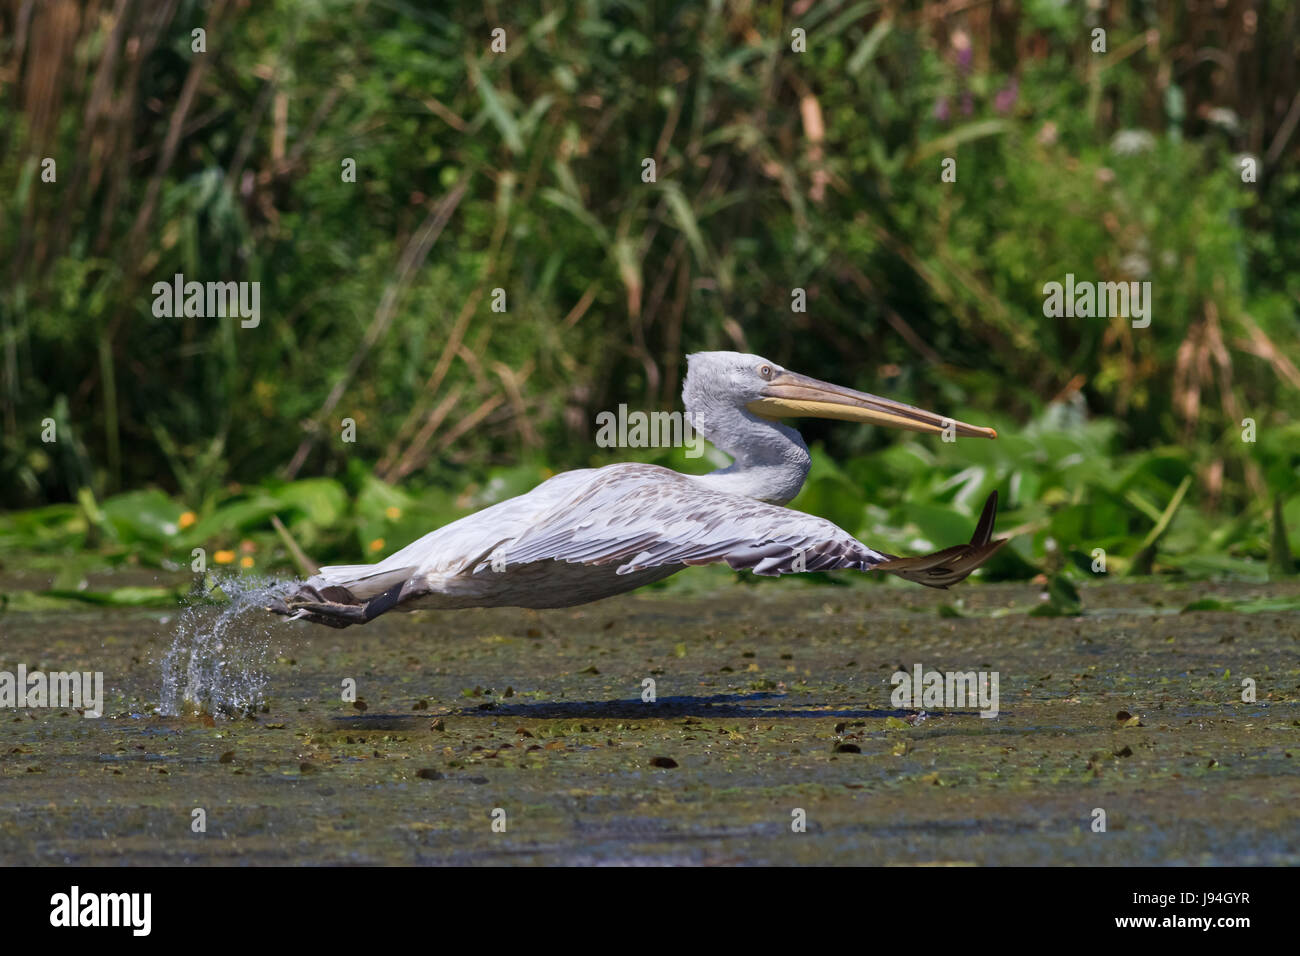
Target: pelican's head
x,y
769,391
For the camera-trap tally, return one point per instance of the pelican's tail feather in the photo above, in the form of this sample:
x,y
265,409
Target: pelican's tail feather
x,y
942,569
345,594
364,581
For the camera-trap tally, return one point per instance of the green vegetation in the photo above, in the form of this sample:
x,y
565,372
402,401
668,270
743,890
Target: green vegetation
x,y
1066,492
522,171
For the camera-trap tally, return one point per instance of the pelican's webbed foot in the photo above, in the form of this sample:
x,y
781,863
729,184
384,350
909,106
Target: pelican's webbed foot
x,y
334,606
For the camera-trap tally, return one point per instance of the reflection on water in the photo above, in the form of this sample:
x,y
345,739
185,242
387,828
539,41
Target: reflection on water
x,y
218,657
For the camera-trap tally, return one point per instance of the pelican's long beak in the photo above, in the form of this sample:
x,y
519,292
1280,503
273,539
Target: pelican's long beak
x,y
790,395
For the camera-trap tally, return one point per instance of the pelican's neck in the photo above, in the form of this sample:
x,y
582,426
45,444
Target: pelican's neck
x,y
769,460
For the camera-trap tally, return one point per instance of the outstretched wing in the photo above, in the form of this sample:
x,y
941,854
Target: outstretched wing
x,y
643,516
942,569
639,517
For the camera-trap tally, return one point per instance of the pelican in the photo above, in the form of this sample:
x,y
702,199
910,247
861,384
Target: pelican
x,y
591,533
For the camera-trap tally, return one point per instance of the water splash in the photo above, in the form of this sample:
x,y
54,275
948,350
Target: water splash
x,y
218,660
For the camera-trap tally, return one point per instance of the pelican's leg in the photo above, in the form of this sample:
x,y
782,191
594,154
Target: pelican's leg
x,y
336,613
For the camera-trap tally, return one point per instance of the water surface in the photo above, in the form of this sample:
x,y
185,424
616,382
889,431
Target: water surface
x,y
771,700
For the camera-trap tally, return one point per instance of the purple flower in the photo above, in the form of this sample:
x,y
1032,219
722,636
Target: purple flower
x,y
941,111
1006,98
967,104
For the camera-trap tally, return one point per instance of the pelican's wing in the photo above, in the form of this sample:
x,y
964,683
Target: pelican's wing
x,y
339,595
636,516
463,543
944,568
642,516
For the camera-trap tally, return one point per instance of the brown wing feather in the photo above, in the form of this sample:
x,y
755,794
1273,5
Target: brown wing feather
x,y
942,569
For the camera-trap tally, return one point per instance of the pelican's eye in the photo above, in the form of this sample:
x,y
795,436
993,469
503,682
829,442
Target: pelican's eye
x,y
765,371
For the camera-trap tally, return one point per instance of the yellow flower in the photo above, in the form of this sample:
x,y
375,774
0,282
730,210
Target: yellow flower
x,y
377,544
224,557
393,512
187,518
246,562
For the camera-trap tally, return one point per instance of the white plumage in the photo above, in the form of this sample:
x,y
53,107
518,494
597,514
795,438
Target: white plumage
x,y
588,534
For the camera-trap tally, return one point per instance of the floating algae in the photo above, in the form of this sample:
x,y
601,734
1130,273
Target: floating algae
x,y
571,751
218,658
